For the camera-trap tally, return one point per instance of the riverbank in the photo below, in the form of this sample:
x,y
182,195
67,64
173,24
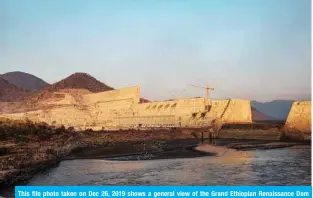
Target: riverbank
x,y
27,148
285,166
270,131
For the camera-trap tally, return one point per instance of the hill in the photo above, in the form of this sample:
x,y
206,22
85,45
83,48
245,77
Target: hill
x,y
144,100
9,92
259,116
277,108
79,81
24,80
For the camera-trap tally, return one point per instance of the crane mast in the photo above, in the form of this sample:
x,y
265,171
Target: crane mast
x,y
207,90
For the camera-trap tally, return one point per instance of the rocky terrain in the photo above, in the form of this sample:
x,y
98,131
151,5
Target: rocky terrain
x,y
9,92
26,148
14,99
79,81
20,86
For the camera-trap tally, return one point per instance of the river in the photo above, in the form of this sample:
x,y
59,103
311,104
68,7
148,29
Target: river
x,y
284,166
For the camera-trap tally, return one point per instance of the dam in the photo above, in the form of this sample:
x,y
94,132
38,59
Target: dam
x,y
299,118
298,124
123,109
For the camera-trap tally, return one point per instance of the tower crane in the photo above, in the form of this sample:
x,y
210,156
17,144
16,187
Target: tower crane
x,y
207,89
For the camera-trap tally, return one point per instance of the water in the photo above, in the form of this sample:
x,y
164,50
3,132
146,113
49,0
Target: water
x,y
285,166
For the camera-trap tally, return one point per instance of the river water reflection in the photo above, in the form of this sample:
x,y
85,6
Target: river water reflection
x,y
285,166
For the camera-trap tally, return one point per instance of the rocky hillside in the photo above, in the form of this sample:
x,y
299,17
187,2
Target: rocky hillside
x,y
79,81
9,92
24,80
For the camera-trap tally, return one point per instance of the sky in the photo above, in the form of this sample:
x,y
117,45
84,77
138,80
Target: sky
x,y
248,49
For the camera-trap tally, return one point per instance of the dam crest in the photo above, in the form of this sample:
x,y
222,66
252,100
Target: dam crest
x,y
124,109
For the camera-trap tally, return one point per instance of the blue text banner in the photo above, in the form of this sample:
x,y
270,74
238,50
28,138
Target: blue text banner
x,y
162,191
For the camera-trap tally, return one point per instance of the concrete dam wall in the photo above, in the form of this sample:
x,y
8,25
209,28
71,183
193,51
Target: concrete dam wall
x,y
299,118
121,108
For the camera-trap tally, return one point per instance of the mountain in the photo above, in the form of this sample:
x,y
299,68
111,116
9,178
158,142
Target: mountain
x,y
143,100
9,92
24,80
259,116
278,108
80,81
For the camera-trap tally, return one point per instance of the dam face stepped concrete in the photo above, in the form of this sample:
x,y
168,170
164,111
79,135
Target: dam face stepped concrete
x,y
299,118
121,108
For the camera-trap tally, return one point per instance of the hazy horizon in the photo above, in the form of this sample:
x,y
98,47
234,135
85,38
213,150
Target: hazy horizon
x,y
257,50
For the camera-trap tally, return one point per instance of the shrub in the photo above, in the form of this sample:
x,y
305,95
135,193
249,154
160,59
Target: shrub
x,y
44,136
71,129
60,130
19,130
3,151
21,139
3,135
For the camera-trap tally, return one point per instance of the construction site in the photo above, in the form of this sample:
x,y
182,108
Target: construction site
x,y
123,109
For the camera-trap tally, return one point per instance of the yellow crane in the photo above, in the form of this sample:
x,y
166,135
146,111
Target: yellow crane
x,y
207,89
